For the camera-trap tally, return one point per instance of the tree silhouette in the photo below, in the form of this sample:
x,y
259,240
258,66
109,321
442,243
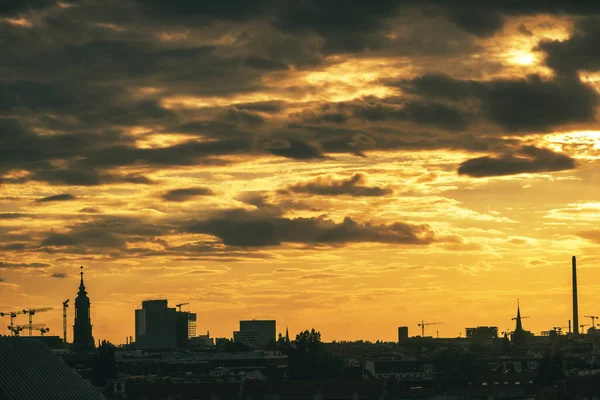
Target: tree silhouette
x,y
105,364
307,358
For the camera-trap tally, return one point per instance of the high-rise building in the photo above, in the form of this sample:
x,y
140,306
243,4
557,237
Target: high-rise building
x,y
248,338
186,327
266,330
402,333
156,326
482,333
82,329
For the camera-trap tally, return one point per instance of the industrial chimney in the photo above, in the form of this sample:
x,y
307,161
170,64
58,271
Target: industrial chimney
x,y
575,312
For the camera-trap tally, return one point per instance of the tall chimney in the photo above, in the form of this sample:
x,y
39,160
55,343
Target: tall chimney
x,y
575,312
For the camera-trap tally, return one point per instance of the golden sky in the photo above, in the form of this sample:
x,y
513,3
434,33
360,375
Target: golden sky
x,y
350,169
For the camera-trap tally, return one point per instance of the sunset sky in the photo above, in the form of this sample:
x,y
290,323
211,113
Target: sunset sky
x,y
347,166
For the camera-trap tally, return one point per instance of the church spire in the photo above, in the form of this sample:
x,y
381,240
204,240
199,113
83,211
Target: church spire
x,y
519,326
81,285
82,329
287,335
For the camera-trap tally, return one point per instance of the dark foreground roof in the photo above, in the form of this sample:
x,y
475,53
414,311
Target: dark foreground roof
x,y
282,390
29,370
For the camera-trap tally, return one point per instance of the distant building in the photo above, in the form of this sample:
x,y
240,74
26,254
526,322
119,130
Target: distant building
x,y
520,335
402,370
185,327
156,326
402,333
266,330
482,333
249,338
202,340
221,342
82,329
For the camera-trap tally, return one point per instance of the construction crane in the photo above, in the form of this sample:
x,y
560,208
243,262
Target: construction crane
x,y
12,315
179,305
593,319
423,324
507,332
582,326
18,328
32,312
44,330
65,306
515,318
559,329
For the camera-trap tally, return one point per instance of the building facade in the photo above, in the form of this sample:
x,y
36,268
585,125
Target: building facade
x,y
82,329
186,328
156,326
482,332
402,333
248,338
266,330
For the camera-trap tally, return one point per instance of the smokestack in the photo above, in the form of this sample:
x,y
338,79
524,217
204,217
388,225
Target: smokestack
x,y
569,326
575,312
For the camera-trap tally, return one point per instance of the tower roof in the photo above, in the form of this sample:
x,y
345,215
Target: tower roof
x,y
519,326
82,291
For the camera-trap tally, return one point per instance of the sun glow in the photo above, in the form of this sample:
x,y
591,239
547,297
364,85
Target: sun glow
x,y
523,58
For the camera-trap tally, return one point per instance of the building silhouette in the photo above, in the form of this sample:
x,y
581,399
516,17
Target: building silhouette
x,y
82,329
482,333
266,330
520,335
156,326
186,327
402,333
248,338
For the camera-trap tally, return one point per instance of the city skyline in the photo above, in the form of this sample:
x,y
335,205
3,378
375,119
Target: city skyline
x,y
348,169
85,310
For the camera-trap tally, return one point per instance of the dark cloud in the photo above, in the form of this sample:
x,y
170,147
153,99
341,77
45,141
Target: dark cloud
x,y
531,159
90,210
293,148
344,28
353,186
579,52
13,7
263,106
92,238
10,265
13,215
377,110
241,116
186,193
476,21
58,197
60,275
485,18
108,233
188,153
250,229
210,9
85,177
531,104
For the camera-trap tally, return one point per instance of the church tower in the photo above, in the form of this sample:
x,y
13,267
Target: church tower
x,y
519,336
82,330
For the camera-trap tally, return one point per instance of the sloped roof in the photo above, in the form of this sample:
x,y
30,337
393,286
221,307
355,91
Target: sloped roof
x,y
29,370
